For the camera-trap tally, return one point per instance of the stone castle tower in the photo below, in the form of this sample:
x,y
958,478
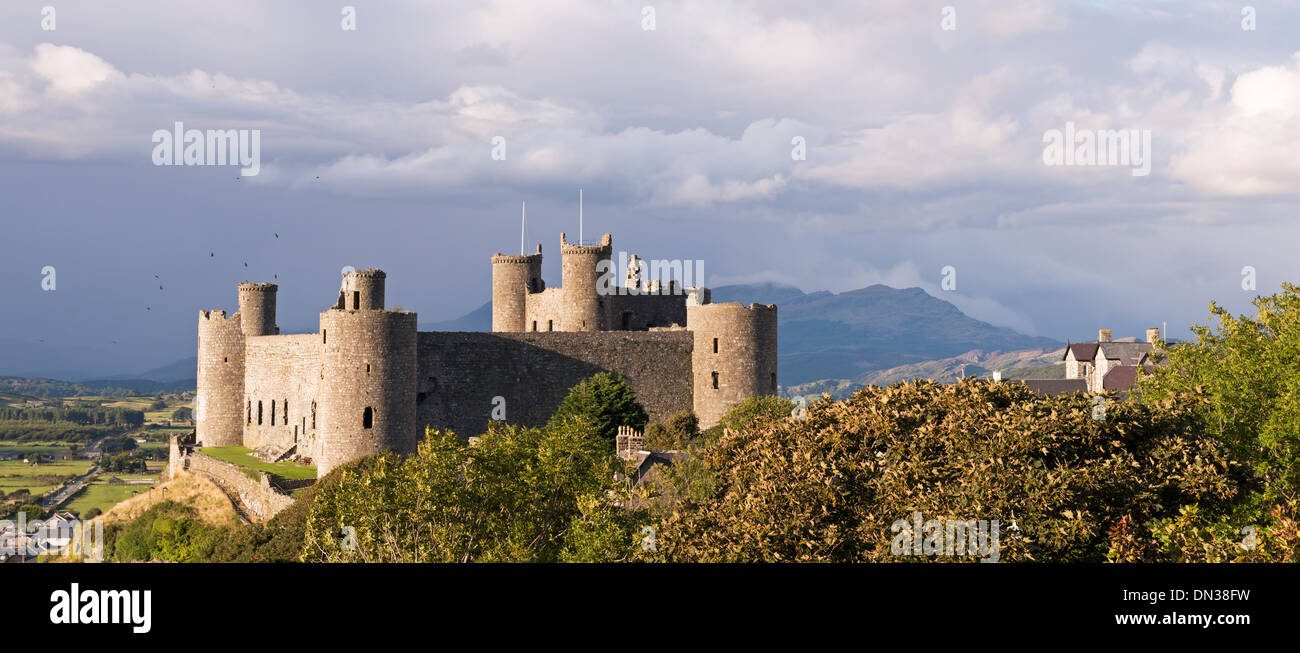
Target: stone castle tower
x,y
370,381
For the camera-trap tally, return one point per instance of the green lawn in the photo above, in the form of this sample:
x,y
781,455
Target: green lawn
x,y
15,474
244,458
101,495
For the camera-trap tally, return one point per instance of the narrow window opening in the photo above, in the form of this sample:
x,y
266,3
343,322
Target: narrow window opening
x,y
534,325
250,411
715,380
323,337
313,416
259,413
356,300
550,325
715,345
368,418
286,412
272,412
367,368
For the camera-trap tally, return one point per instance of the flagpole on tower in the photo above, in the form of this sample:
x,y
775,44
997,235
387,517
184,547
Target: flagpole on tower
x,y
523,226
579,216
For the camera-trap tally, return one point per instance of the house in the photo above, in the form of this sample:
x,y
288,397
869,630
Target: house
x,y
1108,364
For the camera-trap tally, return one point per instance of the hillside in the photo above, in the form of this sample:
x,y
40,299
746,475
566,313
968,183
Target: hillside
x,y
849,335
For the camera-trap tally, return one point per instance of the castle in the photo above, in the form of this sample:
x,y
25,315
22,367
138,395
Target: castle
x,y
369,380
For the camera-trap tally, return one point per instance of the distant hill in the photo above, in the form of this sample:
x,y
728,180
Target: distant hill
x,y
848,336
480,319
851,334
1024,364
185,368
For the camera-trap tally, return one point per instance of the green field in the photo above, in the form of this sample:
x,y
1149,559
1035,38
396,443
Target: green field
x,y
101,495
16,474
244,458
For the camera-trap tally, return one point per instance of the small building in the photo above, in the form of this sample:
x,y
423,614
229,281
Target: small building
x,y
1108,364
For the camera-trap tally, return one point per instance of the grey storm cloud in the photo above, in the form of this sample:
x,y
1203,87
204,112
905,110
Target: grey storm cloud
x,y
924,148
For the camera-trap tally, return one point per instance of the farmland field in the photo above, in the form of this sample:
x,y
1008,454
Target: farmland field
x,y
16,474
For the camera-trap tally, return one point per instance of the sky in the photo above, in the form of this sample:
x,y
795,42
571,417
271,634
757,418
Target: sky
x,y
827,145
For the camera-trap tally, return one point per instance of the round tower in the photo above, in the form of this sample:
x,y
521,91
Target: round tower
x,y
583,310
257,308
513,278
366,397
362,290
734,356
220,382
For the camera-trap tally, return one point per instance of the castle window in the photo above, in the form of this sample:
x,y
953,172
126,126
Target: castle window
x,y
295,433
356,300
534,325
225,359
323,338
313,416
368,418
286,412
272,412
715,380
367,368
715,345
250,411
550,325
259,413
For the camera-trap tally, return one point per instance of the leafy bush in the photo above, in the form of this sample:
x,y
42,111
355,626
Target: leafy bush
x,y
676,432
829,487
517,494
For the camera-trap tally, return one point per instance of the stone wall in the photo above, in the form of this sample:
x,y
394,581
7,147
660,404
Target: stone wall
x,y
460,373
280,369
259,500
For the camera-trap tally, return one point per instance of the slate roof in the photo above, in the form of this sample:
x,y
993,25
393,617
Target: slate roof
x,y
1127,353
1083,351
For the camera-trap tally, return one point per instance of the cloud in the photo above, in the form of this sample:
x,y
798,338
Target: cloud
x,y
1246,146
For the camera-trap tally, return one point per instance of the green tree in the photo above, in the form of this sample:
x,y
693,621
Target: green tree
x,y
33,512
676,432
1241,377
516,494
183,413
604,401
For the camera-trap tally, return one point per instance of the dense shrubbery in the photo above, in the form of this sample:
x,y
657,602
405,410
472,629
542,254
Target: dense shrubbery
x,y
166,531
516,494
828,487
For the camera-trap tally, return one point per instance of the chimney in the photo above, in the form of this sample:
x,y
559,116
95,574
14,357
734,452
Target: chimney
x,y
1103,335
1153,334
